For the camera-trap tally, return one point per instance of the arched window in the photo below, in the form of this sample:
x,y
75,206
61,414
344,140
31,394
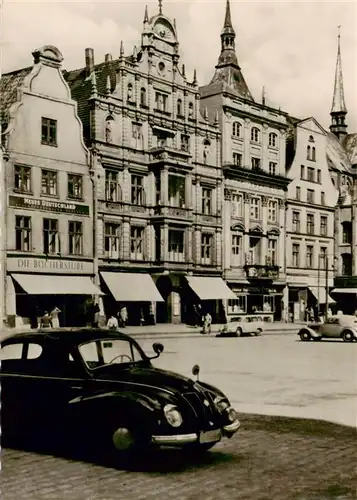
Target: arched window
x,y
143,96
109,128
308,153
190,110
236,129
179,107
313,153
273,138
130,91
255,135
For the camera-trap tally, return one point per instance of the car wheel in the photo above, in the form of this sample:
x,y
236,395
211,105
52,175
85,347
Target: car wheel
x,y
258,332
239,332
305,336
348,336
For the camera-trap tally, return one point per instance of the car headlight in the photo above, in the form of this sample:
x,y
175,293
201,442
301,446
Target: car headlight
x,y
173,416
221,403
231,414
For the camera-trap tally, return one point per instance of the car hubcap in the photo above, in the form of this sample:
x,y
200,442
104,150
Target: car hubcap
x,y
123,439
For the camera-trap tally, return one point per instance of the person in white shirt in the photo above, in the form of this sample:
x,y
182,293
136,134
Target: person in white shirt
x,y
112,323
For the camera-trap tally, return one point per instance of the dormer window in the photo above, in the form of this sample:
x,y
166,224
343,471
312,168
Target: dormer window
x,y
255,135
273,139
142,96
236,129
179,107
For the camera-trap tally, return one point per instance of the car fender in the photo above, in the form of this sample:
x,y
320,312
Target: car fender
x,y
312,332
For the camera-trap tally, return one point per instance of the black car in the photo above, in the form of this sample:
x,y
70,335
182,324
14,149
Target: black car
x,y
101,385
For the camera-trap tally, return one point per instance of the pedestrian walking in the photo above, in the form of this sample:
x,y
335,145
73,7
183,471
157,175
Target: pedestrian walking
x,y
112,323
207,322
54,315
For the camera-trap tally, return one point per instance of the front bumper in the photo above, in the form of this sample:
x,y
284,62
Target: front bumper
x,y
183,439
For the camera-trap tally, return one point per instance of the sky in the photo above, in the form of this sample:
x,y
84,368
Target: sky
x,y
289,47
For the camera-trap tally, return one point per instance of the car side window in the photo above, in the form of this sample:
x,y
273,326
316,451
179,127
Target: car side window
x,y
34,351
11,352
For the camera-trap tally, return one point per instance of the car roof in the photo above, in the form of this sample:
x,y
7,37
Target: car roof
x,y
68,336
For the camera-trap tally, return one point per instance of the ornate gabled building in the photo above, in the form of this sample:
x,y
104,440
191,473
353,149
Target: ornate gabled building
x,y
47,193
158,178
342,159
253,165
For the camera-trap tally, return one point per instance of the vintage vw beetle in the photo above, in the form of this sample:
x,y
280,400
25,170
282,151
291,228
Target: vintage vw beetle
x,y
101,385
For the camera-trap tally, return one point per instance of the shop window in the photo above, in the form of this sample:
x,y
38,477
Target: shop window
x,y
206,248
49,183
236,250
347,232
22,179
272,211
296,222
49,132
273,167
51,242
236,129
273,140
111,240
137,190
206,201
295,255
323,225
268,303
310,197
309,256
238,305
176,245
237,205
136,243
255,135
75,186
310,224
75,238
176,191
23,233
237,159
112,187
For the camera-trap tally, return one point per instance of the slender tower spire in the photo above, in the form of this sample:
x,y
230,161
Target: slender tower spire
x,y
160,7
338,109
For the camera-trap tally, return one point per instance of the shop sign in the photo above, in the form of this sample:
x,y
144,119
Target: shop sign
x,y
48,205
49,266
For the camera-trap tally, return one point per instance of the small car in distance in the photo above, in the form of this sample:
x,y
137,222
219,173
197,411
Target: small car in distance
x,y
239,326
341,326
101,385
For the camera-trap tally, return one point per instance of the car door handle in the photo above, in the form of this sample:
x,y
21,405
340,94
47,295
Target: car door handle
x,y
76,387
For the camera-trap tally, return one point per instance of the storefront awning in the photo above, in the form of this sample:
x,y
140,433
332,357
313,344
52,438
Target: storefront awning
x,y
208,288
320,295
345,290
46,284
132,287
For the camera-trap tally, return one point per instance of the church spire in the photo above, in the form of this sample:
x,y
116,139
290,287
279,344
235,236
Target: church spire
x,y
227,19
228,38
338,109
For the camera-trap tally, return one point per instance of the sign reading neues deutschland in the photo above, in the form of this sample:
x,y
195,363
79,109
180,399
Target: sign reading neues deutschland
x,y
48,205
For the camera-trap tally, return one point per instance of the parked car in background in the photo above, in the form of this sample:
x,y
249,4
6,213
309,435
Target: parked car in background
x,y
239,326
100,384
340,326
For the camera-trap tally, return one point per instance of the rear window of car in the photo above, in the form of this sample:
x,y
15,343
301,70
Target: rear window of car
x,y
15,351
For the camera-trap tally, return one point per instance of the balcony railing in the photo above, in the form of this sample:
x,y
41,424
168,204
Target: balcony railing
x,y
165,153
262,271
173,212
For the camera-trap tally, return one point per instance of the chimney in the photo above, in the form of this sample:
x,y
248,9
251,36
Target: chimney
x,y
89,60
108,57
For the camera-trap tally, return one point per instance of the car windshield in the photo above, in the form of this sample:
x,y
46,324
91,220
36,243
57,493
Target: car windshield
x,y
99,353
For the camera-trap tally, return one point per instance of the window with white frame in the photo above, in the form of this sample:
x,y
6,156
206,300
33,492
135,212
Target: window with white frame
x,y
302,172
177,191
236,129
298,193
310,174
272,211
111,240
176,245
23,233
255,135
295,255
310,224
323,257
136,243
75,186
309,256
137,190
236,250
49,183
272,252
310,196
161,101
50,236
256,163
206,248
237,159
237,205
206,201
273,140
296,222
323,225
273,168
238,305
111,186
75,238
22,179
254,208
